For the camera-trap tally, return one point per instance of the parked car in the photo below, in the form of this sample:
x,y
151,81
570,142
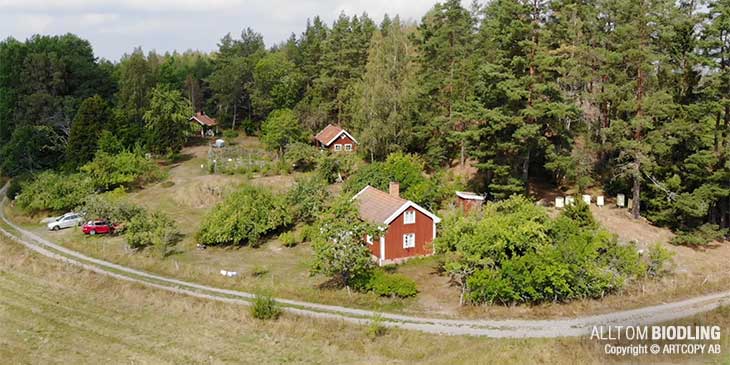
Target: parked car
x,y
98,227
65,221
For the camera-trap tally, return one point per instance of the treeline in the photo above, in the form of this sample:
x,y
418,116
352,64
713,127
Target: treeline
x,y
632,96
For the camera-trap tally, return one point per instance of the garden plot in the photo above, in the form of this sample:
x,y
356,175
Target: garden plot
x,y
240,159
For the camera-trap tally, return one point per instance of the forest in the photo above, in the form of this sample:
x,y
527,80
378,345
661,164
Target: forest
x,y
630,96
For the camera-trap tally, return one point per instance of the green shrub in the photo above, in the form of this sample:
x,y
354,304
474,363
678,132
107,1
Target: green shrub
x,y
391,285
53,191
288,239
659,261
152,230
580,213
129,169
109,143
264,307
328,169
301,156
307,233
244,217
408,171
335,166
106,206
259,271
308,198
700,236
376,328
230,133
515,253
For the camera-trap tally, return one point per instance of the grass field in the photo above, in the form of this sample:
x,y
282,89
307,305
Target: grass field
x,y
189,192
52,313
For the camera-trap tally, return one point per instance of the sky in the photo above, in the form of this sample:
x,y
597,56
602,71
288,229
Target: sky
x,y
116,27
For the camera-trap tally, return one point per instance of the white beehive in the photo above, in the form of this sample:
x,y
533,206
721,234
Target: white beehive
x,y
621,200
587,199
569,200
599,201
559,202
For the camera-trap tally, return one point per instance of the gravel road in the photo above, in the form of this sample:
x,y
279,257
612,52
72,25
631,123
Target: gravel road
x,y
507,328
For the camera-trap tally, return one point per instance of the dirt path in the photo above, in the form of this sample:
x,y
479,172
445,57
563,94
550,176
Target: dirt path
x,y
492,328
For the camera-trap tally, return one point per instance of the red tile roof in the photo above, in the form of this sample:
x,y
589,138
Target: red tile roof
x,y
204,119
376,206
328,134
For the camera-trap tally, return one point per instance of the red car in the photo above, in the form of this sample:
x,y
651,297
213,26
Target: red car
x,y
98,226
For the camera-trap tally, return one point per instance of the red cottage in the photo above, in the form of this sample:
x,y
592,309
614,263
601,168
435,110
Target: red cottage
x,y
208,125
468,201
408,229
335,139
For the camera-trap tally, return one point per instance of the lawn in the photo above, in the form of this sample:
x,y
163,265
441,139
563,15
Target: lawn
x,y
190,191
55,313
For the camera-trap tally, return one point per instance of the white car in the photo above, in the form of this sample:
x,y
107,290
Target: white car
x,y
65,221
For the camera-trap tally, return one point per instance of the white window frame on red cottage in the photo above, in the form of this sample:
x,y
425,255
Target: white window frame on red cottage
x,y
409,240
409,217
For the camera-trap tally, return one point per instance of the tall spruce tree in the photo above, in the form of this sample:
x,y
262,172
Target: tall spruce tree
x,y
445,43
90,120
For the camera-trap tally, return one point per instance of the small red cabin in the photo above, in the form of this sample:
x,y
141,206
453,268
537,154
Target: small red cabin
x,y
208,125
408,229
468,201
335,139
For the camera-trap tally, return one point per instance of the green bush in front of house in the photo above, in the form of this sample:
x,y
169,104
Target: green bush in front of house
x,y
391,285
516,253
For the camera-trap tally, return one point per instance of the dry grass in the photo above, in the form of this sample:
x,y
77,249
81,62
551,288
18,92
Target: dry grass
x,y
55,313
194,193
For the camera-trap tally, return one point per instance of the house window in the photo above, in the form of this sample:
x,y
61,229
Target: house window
x,y
348,147
338,147
409,240
369,239
409,217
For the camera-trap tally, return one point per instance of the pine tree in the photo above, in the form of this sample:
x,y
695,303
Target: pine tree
x,y
526,116
445,47
639,103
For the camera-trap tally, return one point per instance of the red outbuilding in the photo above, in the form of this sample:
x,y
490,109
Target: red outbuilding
x,y
468,201
408,229
208,125
335,139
